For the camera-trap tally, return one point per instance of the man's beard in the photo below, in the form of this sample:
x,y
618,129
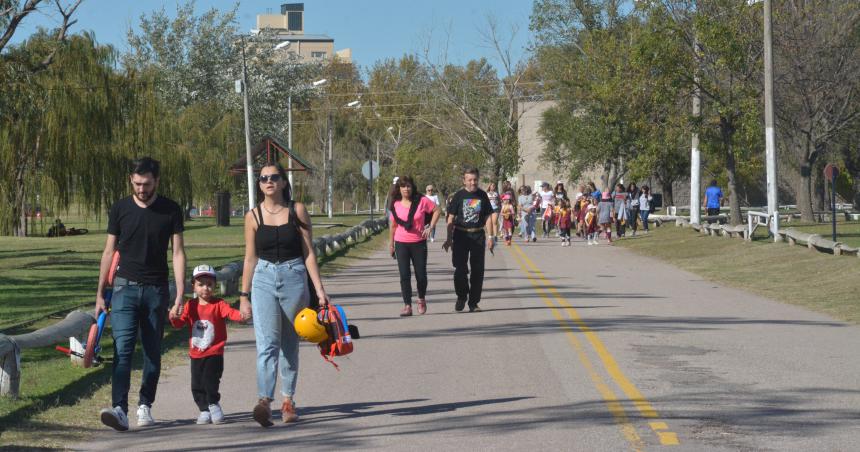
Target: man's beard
x,y
144,197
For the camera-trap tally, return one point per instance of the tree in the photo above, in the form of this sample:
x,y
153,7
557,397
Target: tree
x,y
476,108
817,60
715,46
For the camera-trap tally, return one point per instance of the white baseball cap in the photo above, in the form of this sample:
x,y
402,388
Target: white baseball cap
x,y
204,270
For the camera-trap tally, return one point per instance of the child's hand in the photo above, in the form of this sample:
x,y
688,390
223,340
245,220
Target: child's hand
x,y
246,316
173,314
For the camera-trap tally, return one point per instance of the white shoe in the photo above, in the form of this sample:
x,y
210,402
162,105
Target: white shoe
x,y
204,418
115,418
144,416
217,414
432,239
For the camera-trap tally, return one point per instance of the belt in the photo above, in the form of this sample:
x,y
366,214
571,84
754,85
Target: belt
x,y
460,228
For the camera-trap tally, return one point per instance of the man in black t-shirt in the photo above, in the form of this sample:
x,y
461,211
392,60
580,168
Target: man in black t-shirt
x,y
140,227
468,232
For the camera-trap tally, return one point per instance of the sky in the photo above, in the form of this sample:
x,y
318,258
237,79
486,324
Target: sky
x,y
373,29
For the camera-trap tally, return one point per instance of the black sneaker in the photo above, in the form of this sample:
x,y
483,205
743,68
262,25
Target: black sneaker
x,y
474,308
459,305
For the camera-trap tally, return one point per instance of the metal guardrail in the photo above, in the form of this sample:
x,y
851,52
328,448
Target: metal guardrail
x,y
77,323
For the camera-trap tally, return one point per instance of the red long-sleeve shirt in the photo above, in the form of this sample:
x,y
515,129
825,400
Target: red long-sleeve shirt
x,y
207,326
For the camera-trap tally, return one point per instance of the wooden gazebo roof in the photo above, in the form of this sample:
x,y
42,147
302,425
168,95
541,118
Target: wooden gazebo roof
x,y
266,151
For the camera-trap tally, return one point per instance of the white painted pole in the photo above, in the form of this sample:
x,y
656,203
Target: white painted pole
x,y
770,134
695,155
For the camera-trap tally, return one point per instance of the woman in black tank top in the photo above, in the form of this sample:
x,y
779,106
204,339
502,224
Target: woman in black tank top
x,y
280,269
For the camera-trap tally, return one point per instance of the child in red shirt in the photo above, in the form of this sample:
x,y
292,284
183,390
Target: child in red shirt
x,y
205,317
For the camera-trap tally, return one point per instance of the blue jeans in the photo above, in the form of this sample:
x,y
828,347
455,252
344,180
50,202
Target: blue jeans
x,y
643,214
278,293
527,225
134,308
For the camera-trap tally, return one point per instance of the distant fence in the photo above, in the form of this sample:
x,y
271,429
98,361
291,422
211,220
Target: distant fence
x,y
754,219
76,325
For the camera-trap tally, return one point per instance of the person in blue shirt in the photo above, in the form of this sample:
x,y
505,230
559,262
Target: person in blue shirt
x,y
713,199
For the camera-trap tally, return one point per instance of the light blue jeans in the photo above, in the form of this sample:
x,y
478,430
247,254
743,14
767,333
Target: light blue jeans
x,y
527,225
278,293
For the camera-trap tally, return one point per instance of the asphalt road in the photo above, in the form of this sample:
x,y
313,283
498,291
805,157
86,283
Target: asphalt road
x,y
581,348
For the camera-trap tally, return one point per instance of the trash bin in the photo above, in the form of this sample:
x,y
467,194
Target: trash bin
x,y
222,208
656,201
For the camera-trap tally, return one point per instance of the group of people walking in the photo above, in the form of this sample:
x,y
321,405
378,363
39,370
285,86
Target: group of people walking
x,y
280,278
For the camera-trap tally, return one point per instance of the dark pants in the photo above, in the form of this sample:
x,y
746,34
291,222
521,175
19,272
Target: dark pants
x,y
206,379
633,217
416,253
565,232
468,254
619,228
134,308
713,211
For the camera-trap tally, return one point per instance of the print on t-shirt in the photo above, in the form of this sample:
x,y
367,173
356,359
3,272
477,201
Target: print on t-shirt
x,y
471,210
202,334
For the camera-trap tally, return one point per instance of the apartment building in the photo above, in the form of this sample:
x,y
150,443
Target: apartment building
x,y
287,31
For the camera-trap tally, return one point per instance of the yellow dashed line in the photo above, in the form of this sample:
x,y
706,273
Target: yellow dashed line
x,y
609,362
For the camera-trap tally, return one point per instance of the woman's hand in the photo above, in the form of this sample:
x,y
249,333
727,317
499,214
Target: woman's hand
x,y
391,248
323,297
426,232
245,308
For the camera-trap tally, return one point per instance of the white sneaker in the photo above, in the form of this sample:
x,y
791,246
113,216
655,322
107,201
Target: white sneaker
x,y
144,416
204,418
114,418
217,414
432,239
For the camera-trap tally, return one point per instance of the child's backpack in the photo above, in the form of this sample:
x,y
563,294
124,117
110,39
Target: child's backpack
x,y
339,342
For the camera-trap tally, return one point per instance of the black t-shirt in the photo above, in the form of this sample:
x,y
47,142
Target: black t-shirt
x,y
470,209
143,237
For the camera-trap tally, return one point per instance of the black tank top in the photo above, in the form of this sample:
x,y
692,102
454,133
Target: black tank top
x,y
277,243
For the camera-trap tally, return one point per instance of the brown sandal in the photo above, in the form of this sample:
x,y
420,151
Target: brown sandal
x,y
263,413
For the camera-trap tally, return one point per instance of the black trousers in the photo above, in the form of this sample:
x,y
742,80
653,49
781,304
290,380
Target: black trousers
x,y
416,253
713,211
206,379
633,217
468,260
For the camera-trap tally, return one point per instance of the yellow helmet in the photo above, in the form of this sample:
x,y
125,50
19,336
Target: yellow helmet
x,y
308,326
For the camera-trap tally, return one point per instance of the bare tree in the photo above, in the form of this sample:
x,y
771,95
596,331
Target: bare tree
x,y
476,108
817,86
12,14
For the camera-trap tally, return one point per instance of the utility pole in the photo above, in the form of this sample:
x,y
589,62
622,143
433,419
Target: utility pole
x,y
769,134
329,169
250,164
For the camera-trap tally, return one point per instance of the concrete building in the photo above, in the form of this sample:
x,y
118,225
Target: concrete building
x,y
289,26
532,172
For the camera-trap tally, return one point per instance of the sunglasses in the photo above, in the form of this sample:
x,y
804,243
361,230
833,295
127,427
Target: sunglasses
x,y
270,177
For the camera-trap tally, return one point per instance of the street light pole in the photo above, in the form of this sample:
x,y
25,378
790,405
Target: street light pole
x,y
330,174
250,165
290,138
770,135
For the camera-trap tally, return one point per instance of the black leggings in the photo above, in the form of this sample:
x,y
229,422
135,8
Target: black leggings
x,y
417,254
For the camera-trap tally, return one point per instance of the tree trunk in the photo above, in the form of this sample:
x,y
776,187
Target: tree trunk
x,y
668,194
19,212
804,193
727,132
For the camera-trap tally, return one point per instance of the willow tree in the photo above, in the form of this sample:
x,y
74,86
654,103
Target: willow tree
x,y
68,131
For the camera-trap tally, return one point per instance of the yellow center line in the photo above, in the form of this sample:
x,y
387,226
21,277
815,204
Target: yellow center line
x,y
609,362
610,399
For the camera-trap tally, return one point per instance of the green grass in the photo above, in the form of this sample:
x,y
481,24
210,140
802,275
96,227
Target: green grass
x,y
58,402
40,275
791,274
